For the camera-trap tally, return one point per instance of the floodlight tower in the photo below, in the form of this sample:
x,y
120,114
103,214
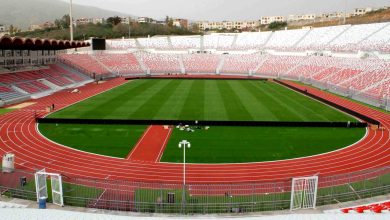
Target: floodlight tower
x,y
71,21
185,144
345,12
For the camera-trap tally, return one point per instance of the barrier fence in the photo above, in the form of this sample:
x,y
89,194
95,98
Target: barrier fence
x,y
197,198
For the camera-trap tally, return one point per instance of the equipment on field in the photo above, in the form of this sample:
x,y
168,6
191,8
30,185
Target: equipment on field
x,y
8,164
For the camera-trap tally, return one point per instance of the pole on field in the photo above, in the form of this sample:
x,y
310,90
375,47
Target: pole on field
x,y
184,144
71,21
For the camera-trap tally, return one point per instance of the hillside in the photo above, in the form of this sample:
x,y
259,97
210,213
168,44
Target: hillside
x,y
23,13
371,17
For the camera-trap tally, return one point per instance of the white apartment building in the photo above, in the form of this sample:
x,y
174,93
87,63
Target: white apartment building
x,y
304,17
270,19
229,25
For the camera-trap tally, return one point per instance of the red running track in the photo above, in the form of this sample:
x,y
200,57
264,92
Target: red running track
x,y
151,145
18,134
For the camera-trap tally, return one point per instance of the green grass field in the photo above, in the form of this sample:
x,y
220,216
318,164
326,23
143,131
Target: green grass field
x,y
256,144
5,110
203,100
109,140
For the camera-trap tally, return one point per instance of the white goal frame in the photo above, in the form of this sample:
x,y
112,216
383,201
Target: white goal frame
x,y
56,186
304,193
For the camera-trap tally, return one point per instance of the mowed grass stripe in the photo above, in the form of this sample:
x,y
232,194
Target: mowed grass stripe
x,y
194,105
280,107
203,99
117,96
235,109
214,106
152,103
254,106
296,102
173,106
318,110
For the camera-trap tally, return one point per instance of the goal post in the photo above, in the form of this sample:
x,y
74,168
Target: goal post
x,y
56,186
40,184
304,193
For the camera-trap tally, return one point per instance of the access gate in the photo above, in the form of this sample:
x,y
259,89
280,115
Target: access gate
x,y
56,186
304,193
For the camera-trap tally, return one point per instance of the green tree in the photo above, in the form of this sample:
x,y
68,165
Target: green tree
x,y
114,20
277,25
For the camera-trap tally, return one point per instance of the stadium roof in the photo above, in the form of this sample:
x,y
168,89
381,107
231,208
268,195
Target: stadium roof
x,y
18,43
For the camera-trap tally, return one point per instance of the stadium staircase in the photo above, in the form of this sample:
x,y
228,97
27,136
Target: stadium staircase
x,y
234,44
170,45
141,63
338,35
301,39
220,64
268,39
375,32
102,65
182,68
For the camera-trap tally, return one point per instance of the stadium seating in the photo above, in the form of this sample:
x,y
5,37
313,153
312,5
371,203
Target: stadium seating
x,y
124,64
190,42
201,63
160,63
86,63
383,207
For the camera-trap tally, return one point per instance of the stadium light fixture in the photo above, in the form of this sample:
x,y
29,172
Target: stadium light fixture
x,y
70,20
184,144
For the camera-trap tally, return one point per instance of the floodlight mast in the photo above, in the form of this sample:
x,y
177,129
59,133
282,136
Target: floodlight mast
x,y
185,144
71,21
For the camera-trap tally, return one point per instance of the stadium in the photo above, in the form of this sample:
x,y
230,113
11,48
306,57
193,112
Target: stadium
x,y
202,124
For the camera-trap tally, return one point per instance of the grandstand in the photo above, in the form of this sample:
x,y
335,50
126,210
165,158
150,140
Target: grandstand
x,y
295,86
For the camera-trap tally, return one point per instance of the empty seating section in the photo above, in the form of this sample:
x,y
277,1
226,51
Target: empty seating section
x,y
84,62
318,38
190,42
241,63
121,63
21,84
379,41
348,41
161,63
201,63
5,89
382,207
279,65
156,43
336,38
286,39
249,40
121,44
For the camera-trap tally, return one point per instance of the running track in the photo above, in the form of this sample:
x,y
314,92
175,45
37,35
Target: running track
x,y
18,134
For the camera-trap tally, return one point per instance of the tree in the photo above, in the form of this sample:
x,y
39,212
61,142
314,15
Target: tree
x,y
114,20
63,22
277,25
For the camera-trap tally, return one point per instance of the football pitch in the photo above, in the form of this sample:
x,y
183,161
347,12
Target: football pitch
x,y
222,100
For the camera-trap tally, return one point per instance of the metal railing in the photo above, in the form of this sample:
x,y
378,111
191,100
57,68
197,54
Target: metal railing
x,y
198,198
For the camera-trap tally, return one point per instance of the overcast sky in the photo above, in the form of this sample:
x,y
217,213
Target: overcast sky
x,y
227,9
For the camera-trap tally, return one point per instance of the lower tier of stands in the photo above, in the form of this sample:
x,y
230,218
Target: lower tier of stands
x,y
21,85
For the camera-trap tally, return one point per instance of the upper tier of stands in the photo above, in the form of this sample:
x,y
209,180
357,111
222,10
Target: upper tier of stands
x,y
343,38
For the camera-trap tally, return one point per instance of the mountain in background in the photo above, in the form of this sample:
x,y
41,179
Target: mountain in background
x,y
23,13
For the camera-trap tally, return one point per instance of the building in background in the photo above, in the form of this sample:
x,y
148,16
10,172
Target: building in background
x,y
179,22
145,20
270,19
228,25
305,17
